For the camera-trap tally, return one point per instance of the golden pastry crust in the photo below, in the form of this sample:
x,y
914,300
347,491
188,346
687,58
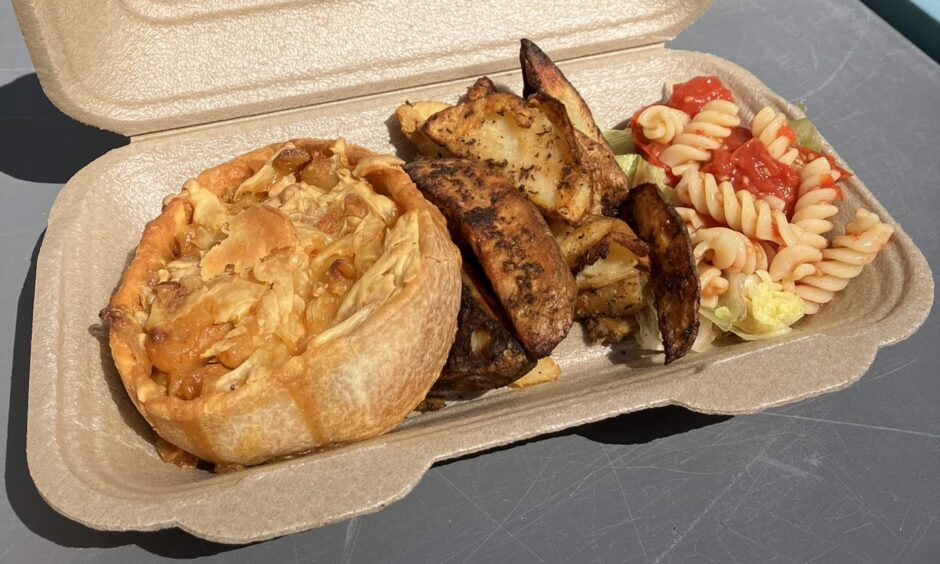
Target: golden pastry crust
x,y
349,387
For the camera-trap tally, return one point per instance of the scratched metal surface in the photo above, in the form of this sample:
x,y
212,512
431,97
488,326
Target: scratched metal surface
x,y
849,477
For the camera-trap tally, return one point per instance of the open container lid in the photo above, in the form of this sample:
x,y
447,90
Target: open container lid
x,y
141,66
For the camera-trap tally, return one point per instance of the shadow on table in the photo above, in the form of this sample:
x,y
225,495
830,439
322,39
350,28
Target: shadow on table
x,y
21,492
40,143
628,429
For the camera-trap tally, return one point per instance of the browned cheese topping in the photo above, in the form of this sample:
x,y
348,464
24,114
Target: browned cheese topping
x,y
300,253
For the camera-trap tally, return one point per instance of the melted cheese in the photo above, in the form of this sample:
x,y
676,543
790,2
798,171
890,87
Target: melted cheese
x,y
283,266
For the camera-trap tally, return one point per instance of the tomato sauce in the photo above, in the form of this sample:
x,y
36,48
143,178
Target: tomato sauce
x,y
691,96
750,167
742,160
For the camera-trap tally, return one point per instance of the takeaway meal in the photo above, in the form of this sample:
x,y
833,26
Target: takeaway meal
x,y
312,293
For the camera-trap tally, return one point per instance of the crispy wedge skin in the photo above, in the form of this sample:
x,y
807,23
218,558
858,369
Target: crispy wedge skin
x,y
411,117
623,298
482,88
674,278
485,354
532,141
608,330
512,243
541,75
585,244
610,184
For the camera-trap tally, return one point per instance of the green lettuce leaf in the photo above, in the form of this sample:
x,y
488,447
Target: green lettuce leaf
x,y
806,134
620,141
640,171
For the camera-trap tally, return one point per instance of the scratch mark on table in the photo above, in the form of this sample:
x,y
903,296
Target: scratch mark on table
x,y
790,469
352,536
866,524
699,517
852,424
528,491
838,69
820,555
765,547
673,470
623,494
888,373
488,516
908,542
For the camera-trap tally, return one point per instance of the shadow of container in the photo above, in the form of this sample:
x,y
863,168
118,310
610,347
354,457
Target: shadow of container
x,y
40,143
912,21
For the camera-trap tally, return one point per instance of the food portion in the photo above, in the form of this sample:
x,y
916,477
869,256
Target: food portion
x,y
512,243
758,199
313,293
549,147
675,280
299,296
541,75
486,353
533,142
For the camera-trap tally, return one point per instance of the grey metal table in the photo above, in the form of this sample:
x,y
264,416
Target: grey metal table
x,y
848,477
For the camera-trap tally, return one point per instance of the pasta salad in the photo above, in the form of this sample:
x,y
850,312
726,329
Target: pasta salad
x,y
758,199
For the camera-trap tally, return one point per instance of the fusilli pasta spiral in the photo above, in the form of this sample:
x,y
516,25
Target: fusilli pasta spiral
x,y
814,204
793,263
703,134
691,218
728,250
864,238
712,283
662,123
766,127
740,210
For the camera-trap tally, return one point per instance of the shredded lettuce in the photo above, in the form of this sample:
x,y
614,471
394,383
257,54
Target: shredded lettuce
x,y
620,141
755,308
640,171
806,134
647,334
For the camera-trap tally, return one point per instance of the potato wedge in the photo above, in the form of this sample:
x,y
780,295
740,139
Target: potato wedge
x,y
531,141
622,298
674,277
610,185
547,370
513,244
541,75
482,88
608,330
411,117
485,354
589,242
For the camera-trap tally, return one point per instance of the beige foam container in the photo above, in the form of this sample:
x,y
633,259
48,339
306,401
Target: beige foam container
x,y
182,78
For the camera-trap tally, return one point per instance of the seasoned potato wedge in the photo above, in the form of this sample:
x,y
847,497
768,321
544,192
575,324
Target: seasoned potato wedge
x,y
587,243
482,88
541,75
610,185
608,330
547,370
531,141
512,243
485,354
674,277
622,298
411,117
